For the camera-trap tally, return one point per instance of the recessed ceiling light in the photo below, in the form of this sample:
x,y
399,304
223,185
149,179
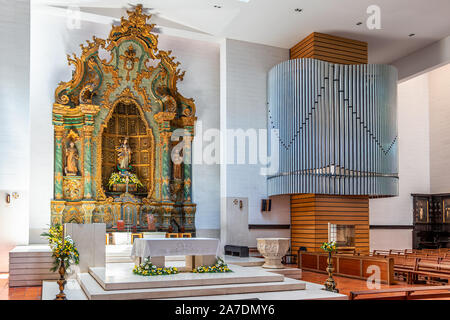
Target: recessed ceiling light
x,y
412,35
217,6
298,10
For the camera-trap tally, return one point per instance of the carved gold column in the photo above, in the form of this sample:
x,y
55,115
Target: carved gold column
x,y
187,162
58,166
163,119
89,111
189,208
87,167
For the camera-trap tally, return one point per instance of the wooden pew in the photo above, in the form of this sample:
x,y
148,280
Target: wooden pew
x,y
432,272
415,293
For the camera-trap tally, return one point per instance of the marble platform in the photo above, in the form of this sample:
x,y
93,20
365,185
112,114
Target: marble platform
x,y
119,277
312,291
94,291
244,261
30,265
117,282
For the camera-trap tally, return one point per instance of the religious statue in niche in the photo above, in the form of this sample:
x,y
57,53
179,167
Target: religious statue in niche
x,y
177,159
71,168
124,180
124,158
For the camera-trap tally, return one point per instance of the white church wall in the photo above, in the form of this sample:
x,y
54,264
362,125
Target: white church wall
x,y
51,41
244,83
414,166
14,124
200,60
439,80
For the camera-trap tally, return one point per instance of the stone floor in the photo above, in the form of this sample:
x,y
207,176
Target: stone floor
x,y
345,285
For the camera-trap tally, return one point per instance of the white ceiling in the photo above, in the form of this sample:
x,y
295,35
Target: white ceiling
x,y
275,23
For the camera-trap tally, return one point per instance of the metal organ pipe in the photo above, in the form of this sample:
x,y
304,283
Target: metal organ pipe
x,y
337,128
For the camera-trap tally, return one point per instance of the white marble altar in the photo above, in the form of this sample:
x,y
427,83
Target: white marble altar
x,y
198,251
90,241
273,249
175,247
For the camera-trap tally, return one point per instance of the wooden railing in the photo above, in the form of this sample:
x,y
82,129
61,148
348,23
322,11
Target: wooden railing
x,y
358,267
416,293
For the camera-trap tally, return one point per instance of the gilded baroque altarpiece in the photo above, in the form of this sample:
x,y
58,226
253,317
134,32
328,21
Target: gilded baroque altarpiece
x,y
132,94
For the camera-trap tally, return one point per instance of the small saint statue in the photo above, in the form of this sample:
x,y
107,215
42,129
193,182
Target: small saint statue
x,y
71,160
177,160
124,157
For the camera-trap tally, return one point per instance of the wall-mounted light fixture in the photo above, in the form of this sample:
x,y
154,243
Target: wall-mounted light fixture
x,y
238,202
8,198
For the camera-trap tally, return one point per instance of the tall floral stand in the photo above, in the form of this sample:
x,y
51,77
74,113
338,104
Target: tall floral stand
x,y
330,285
61,282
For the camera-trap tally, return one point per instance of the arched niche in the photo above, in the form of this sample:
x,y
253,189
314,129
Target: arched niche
x,y
126,119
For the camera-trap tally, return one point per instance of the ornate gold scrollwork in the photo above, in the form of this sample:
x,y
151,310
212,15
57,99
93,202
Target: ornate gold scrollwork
x,y
87,102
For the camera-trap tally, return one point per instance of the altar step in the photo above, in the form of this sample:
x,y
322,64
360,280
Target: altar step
x,y
244,261
94,291
30,265
120,276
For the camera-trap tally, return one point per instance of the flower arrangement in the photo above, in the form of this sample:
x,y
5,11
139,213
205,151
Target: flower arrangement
x,y
148,269
219,267
117,178
328,246
64,251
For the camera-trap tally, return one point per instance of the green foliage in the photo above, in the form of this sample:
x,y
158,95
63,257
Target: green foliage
x,y
63,249
328,246
117,178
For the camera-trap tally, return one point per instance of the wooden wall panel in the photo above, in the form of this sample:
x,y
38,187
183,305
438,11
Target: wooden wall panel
x,y
311,213
358,267
331,49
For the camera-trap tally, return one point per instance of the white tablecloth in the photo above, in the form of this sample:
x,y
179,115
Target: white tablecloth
x,y
175,247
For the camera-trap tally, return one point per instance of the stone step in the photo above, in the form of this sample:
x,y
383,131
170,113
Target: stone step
x,y
118,259
244,262
29,265
30,251
31,277
94,291
120,276
25,283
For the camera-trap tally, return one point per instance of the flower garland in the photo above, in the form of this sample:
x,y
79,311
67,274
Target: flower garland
x,y
117,178
219,267
63,249
148,269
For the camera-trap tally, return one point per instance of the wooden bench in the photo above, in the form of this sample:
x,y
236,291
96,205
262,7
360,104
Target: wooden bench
x,y
357,267
432,272
429,292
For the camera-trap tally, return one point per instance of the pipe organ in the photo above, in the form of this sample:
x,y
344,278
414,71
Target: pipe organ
x,y
335,122
336,126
